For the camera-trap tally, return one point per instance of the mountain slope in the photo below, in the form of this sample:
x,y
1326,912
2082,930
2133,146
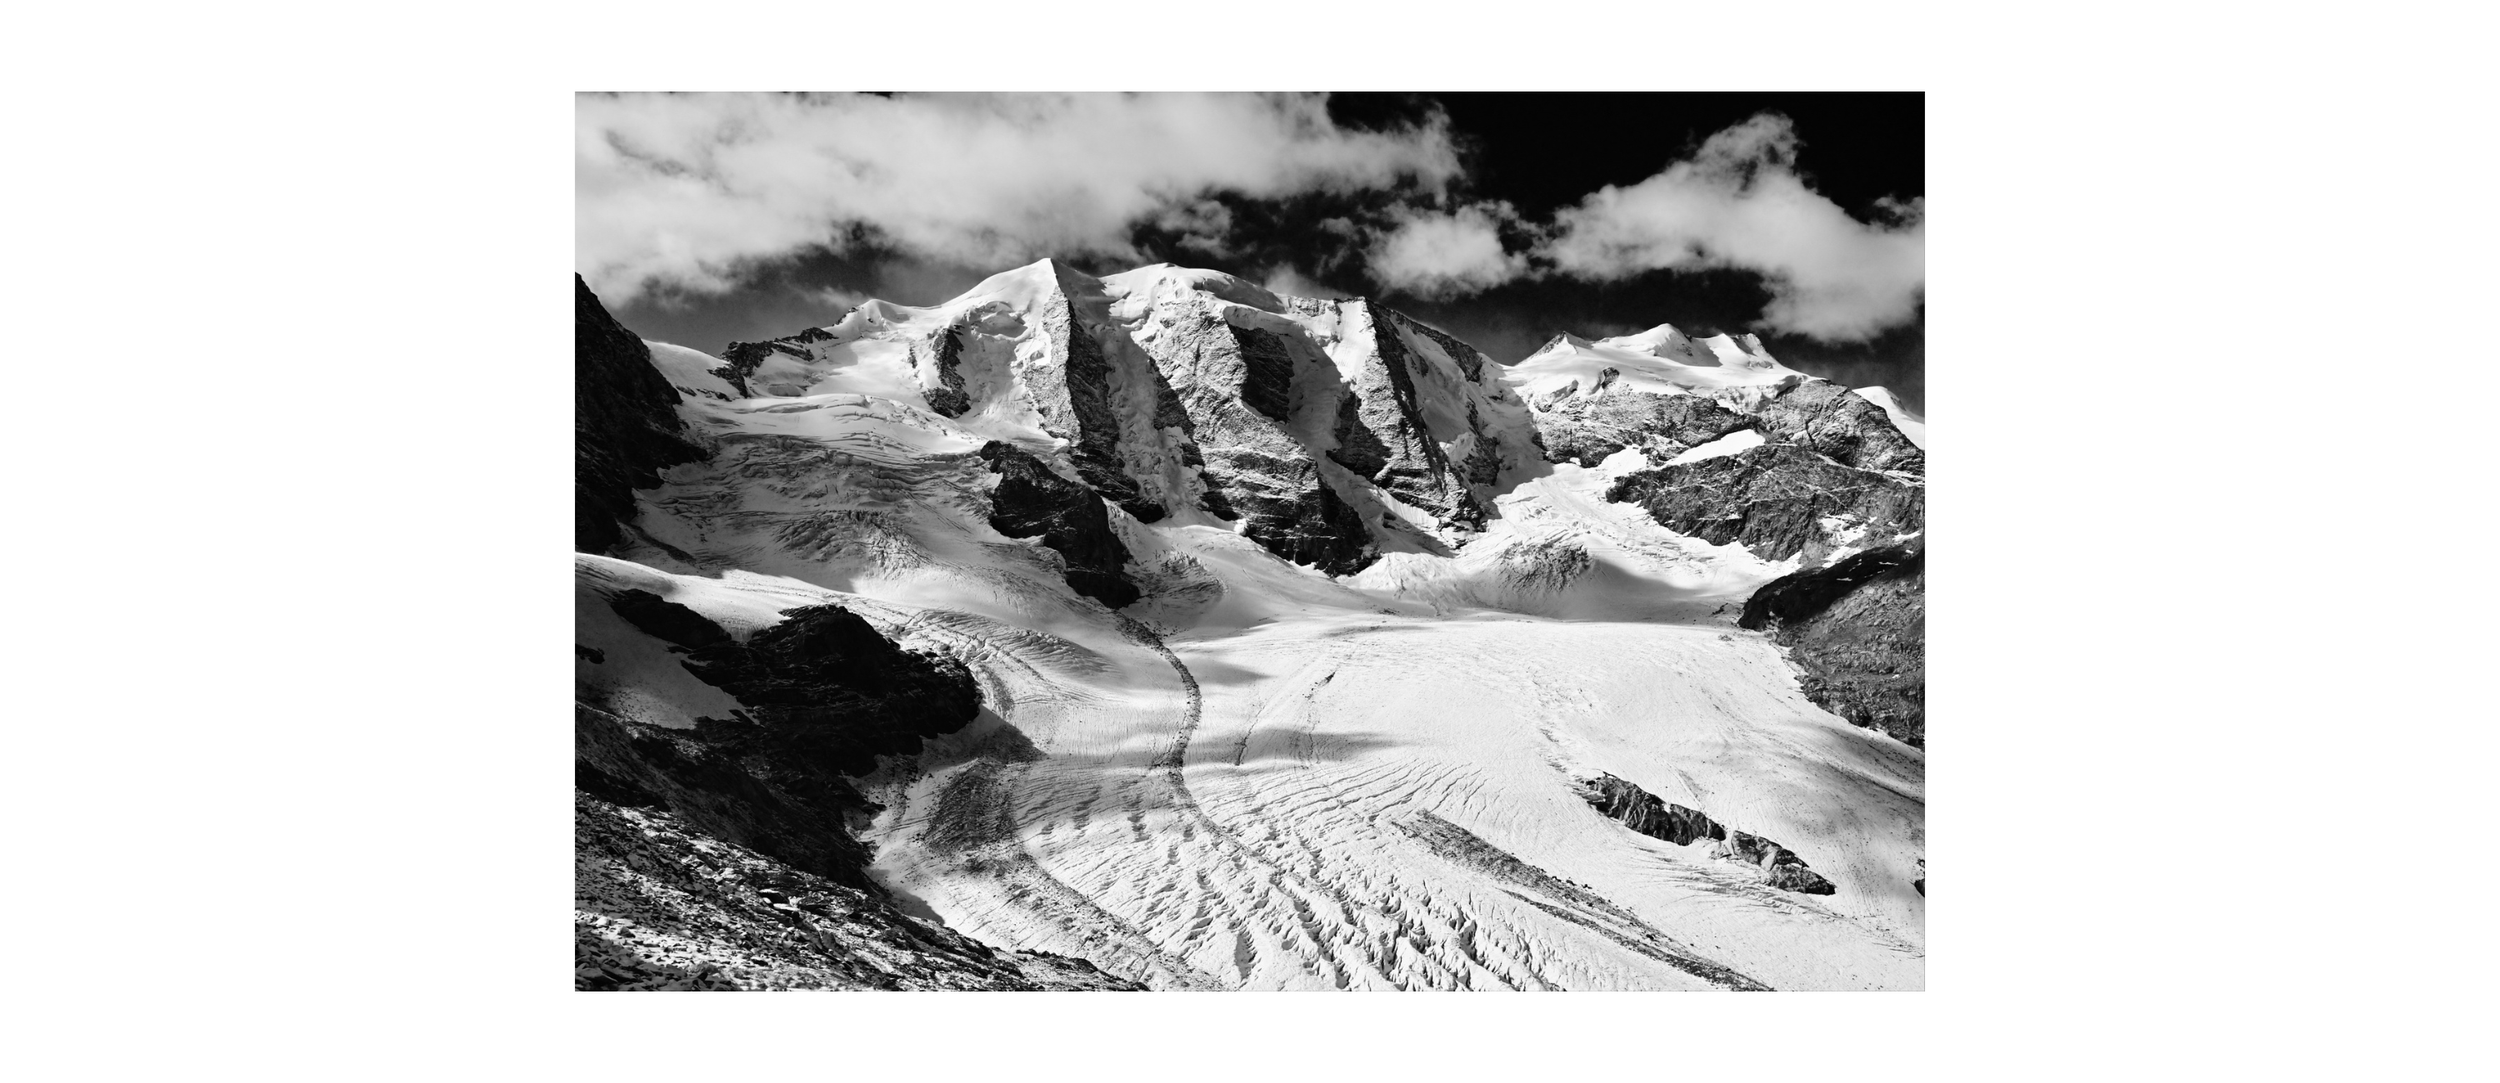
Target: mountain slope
x,y
1299,631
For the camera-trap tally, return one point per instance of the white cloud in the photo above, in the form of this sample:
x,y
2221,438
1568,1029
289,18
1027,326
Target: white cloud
x,y
1204,225
685,189
1441,254
837,297
1739,203
1292,282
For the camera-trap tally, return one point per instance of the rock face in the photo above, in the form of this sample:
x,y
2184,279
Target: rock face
x,y
1830,419
1234,371
625,424
1074,391
1383,433
1031,501
1330,432
659,905
666,620
720,857
1642,811
745,358
1585,430
824,695
1858,630
1779,500
948,398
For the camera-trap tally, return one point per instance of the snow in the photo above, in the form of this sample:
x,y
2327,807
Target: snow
x,y
1138,290
1626,460
1910,424
1659,361
1729,444
690,371
1308,782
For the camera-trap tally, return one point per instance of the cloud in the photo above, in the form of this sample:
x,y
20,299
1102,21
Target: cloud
x,y
690,190
1434,254
1739,203
837,297
1203,225
1291,282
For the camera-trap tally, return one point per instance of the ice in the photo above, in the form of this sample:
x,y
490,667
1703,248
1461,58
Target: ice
x,y
1911,425
1260,776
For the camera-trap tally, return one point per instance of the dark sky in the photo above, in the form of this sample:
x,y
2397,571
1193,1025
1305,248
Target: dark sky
x,y
1537,151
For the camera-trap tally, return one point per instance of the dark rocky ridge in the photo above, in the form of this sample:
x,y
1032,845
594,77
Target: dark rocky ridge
x,y
1858,632
721,858
743,358
1585,430
1799,596
661,906
824,695
1642,811
1032,501
1267,371
949,399
1839,423
1382,434
1470,360
625,424
1773,498
667,621
1078,397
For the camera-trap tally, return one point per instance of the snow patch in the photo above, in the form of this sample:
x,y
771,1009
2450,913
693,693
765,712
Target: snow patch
x,y
1730,444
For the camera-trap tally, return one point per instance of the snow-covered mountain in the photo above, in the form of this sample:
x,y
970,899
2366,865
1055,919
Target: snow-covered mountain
x,y
1161,629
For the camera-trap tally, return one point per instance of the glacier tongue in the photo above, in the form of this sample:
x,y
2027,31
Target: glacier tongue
x,y
1378,640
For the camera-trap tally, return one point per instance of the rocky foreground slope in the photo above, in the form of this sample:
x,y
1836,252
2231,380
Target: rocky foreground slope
x,y
1159,630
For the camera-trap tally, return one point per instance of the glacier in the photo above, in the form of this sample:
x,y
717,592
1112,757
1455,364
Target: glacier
x,y
1303,635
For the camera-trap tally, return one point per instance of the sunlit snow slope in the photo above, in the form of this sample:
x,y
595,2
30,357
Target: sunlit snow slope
x,y
1363,767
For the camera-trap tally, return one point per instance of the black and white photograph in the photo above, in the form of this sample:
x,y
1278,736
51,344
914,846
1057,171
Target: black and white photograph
x,y
1411,520
1249,542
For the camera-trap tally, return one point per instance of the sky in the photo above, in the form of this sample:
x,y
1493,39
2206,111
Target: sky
x,y
1503,218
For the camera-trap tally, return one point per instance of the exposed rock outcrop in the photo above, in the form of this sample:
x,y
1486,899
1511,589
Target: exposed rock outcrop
x,y
658,905
1642,811
1839,423
1799,596
1076,396
1778,500
1383,433
720,857
625,424
662,619
1235,383
1585,430
744,358
1032,501
824,695
948,398
1857,630
1266,371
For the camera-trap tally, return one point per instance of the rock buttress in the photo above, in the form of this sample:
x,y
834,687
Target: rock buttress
x,y
625,424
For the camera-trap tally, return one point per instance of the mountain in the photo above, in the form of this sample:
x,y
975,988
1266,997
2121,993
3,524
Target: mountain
x,y
1160,630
